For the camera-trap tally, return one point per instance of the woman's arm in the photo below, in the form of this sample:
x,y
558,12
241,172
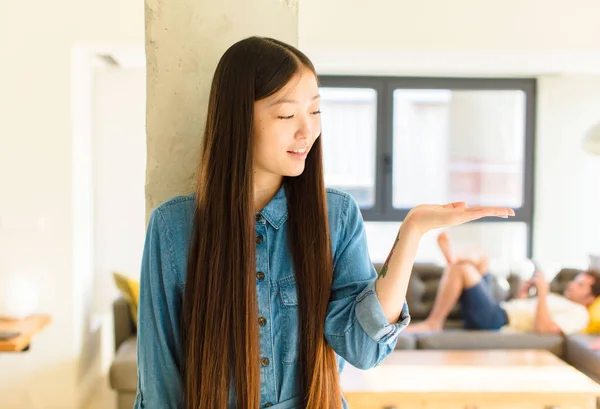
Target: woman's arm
x,y
356,326
394,276
158,342
366,313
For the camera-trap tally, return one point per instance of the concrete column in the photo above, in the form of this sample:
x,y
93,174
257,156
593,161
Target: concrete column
x,y
184,41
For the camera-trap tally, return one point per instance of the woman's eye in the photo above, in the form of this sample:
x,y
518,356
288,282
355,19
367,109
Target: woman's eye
x,y
291,116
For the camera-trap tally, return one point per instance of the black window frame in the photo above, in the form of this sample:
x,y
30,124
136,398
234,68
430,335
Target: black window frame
x,y
383,209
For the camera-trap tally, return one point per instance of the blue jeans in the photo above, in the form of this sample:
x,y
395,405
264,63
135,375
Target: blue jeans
x,y
479,309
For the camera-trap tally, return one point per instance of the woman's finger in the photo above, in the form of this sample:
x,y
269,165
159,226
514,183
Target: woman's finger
x,y
465,217
492,211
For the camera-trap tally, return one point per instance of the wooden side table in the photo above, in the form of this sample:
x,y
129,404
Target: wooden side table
x,y
27,328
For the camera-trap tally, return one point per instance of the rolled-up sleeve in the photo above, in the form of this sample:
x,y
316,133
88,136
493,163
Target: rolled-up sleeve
x,y
158,342
356,326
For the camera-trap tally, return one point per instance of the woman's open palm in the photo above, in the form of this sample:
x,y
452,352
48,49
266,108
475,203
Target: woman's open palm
x,y
430,217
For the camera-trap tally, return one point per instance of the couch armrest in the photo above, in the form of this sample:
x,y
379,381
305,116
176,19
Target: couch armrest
x,y
124,327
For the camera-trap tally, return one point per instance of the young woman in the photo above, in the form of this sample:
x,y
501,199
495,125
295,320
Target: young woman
x,y
256,288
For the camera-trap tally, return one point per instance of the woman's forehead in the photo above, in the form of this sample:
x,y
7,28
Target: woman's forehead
x,y
299,88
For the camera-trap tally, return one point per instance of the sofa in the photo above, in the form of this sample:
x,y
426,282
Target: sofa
x,y
123,369
421,293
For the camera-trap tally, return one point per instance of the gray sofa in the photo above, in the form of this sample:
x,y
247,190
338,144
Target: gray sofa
x,y
422,289
123,370
421,293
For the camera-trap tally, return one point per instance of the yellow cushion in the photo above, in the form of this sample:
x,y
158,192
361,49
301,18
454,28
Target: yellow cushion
x,y
594,324
130,290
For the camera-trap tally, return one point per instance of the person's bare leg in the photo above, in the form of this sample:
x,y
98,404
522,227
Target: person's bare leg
x,y
444,244
455,279
483,265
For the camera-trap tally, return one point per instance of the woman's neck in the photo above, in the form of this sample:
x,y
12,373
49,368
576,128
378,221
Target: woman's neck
x,y
264,191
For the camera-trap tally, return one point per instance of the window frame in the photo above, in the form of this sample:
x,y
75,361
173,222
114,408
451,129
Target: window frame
x,y
383,209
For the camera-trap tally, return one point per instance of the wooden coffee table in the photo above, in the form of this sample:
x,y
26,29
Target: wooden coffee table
x,y
491,379
27,328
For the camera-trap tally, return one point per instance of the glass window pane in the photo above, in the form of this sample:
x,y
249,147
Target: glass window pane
x,y
454,145
505,243
349,122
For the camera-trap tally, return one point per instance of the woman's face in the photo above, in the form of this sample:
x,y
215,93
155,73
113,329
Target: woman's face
x,y
286,125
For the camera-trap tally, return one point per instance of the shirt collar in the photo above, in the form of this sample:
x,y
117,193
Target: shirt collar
x,y
275,212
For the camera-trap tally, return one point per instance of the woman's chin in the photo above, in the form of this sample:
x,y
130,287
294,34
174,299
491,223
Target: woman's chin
x,y
292,170
295,172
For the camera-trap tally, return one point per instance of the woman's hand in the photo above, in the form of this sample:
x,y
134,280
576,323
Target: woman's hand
x,y
424,218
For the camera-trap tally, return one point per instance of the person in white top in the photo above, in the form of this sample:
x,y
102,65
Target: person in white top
x,y
467,281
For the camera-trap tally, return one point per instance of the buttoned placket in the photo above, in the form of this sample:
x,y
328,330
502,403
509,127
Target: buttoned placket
x,y
263,289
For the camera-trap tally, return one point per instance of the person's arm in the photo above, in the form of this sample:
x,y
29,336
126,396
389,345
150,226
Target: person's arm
x,y
356,327
393,279
543,322
571,317
366,314
159,341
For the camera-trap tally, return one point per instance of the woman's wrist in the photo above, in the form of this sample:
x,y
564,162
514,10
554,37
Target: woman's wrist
x,y
411,228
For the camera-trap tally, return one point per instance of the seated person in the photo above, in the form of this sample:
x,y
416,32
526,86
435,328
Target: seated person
x,y
467,281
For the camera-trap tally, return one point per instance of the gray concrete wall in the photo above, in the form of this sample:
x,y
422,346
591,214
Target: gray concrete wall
x,y
184,41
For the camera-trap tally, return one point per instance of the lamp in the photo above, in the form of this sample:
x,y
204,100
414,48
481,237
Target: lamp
x,y
18,296
591,142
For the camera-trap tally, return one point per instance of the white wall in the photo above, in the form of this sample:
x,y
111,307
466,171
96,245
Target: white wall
x,y
438,37
554,41
36,136
119,106
118,165
511,25
567,219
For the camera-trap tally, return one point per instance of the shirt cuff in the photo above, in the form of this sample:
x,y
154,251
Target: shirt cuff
x,y
372,319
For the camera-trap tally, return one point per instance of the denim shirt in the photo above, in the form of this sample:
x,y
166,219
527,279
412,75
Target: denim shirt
x,y
356,327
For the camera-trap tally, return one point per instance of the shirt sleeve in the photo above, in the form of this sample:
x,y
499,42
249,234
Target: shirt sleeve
x,y
356,326
158,341
572,320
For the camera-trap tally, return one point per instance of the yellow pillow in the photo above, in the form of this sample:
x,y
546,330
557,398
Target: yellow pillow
x,y
594,324
130,290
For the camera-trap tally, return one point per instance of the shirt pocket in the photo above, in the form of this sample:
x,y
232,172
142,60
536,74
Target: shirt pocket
x,y
288,296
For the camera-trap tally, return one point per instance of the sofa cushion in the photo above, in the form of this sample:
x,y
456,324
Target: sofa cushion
x,y
462,339
126,400
123,370
578,354
423,285
130,291
422,288
123,325
406,341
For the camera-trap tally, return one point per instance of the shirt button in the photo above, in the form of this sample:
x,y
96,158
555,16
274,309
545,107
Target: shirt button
x,y
258,217
264,361
260,275
262,321
259,239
